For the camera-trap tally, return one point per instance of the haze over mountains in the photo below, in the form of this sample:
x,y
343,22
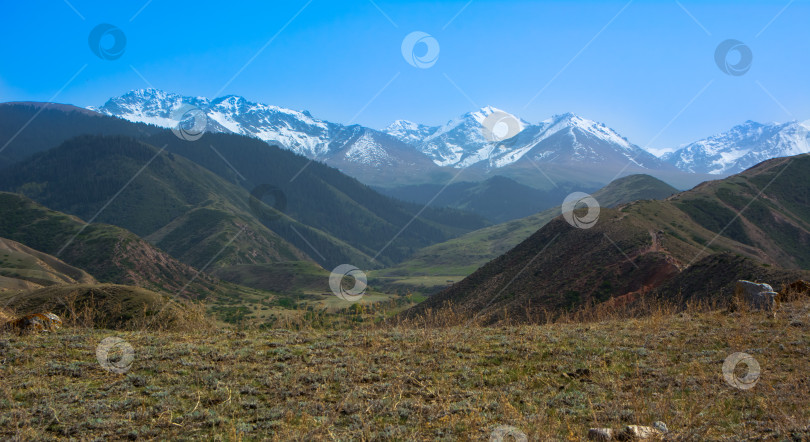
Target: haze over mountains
x,y
563,148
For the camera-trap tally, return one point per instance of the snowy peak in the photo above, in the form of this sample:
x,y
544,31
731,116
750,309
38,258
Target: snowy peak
x,y
294,130
599,130
465,141
741,147
488,138
408,131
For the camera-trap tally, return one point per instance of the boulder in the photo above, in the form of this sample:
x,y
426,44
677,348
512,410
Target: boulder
x,y
756,296
763,301
630,432
37,322
638,432
600,434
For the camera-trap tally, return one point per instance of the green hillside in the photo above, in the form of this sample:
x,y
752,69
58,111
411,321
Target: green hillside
x,y
332,218
110,254
324,199
54,123
191,213
451,260
498,199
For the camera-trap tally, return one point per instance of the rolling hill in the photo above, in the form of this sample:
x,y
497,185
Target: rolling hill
x,y
23,268
324,199
108,253
330,217
761,214
461,256
177,205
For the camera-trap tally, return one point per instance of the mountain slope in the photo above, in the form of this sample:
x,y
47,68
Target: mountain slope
x,y
461,256
27,128
498,199
359,151
638,247
165,199
320,196
23,268
742,147
324,199
338,209
109,253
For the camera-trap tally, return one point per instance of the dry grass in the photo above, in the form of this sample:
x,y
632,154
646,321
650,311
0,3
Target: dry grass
x,y
551,381
79,308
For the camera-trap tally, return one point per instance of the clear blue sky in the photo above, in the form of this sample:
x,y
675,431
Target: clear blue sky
x,y
332,59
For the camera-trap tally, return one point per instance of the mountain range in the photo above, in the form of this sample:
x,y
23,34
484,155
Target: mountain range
x,y
742,147
563,148
697,243
200,204
166,213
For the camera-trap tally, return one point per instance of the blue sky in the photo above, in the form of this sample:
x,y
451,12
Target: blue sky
x,y
645,68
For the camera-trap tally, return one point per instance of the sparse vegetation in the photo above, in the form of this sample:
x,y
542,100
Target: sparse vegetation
x,y
411,382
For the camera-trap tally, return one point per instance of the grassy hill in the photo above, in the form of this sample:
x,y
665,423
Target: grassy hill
x,y
324,199
636,248
179,206
22,268
110,254
262,294
452,260
107,306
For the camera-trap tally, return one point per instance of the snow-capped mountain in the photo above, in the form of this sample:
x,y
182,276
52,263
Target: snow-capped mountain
x,y
485,142
460,143
561,138
358,151
294,130
742,147
409,132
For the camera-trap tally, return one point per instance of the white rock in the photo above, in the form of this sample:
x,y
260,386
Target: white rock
x,y
756,296
600,434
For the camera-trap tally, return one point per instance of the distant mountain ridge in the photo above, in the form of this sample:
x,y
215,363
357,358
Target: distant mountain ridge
x,y
742,147
461,143
357,150
569,147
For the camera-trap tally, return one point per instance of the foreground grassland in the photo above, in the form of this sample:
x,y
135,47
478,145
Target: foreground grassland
x,y
552,382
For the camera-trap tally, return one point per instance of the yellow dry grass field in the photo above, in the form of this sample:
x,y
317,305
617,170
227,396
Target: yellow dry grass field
x,y
409,382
